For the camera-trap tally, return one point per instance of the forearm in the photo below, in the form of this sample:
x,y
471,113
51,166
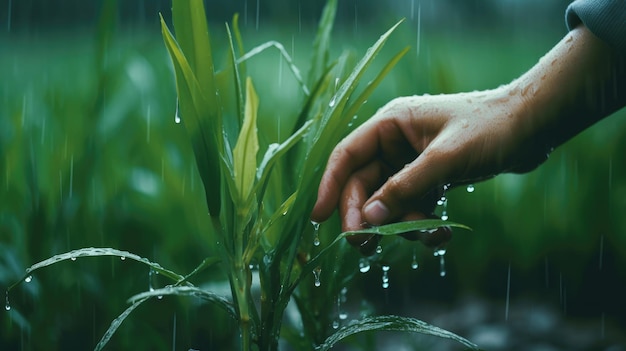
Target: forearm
x,y
579,82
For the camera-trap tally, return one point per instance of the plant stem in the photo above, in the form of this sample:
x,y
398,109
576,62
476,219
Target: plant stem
x,y
241,281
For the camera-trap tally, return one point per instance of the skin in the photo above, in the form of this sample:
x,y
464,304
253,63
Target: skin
x,y
391,167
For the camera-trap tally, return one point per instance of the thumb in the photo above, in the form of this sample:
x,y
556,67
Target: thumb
x,y
409,190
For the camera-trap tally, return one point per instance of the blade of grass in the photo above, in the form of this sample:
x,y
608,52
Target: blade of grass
x,y
292,66
392,323
98,252
205,139
321,44
218,300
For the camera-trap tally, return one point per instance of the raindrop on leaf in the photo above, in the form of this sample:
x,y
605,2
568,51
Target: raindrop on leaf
x,y
28,279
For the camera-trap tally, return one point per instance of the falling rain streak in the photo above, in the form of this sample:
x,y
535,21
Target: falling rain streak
x,y
9,15
7,305
508,293
364,265
385,277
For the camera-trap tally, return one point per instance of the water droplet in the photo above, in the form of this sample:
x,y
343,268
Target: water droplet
x,y
335,324
176,116
332,102
316,273
470,188
385,278
316,233
414,264
28,279
343,315
440,252
150,275
160,297
73,258
122,258
444,216
364,265
379,249
7,305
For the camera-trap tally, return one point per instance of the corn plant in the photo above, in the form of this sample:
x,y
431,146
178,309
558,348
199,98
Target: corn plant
x,y
259,194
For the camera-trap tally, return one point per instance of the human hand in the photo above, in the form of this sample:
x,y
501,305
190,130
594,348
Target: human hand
x,y
393,167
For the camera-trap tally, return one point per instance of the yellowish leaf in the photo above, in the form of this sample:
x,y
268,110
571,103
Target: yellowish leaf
x,y
247,146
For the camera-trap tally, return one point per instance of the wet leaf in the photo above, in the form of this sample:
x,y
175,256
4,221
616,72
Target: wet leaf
x,y
99,252
392,323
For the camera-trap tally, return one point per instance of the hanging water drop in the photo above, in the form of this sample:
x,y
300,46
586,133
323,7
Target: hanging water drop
x,y
316,273
335,324
385,278
176,116
364,265
414,264
316,233
150,275
7,305
442,262
73,258
470,188
122,258
28,279
379,249
343,297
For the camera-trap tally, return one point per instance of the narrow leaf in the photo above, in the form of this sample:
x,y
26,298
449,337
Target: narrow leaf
x,y
115,324
98,252
202,123
218,300
392,323
321,44
247,146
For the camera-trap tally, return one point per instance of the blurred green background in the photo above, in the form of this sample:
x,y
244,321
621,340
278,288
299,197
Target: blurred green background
x,y
90,155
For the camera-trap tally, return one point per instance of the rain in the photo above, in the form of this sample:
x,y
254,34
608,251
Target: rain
x,y
99,149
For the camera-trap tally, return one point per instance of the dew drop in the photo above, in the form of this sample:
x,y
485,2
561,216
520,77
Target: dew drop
x,y
332,102
28,279
470,188
379,249
316,233
364,265
316,273
7,305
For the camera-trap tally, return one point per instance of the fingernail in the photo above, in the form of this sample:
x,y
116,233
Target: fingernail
x,y
376,213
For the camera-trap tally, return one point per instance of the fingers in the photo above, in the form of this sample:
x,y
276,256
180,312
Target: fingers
x,y
349,155
398,195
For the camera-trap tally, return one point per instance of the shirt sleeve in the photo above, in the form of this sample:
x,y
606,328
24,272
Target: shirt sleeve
x,y
604,18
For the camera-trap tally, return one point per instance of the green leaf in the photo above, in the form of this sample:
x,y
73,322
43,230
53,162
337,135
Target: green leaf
x,y
192,34
404,227
98,252
247,147
201,121
115,324
292,66
176,290
321,44
217,299
392,323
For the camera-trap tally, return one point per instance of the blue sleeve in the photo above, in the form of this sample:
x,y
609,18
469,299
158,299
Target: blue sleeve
x,y
606,19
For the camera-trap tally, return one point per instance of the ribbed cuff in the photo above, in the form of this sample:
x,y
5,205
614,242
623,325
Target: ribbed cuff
x,y
606,19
